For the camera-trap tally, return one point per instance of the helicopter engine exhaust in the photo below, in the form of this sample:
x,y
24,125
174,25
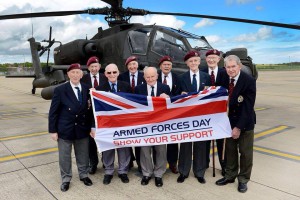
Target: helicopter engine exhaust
x,y
48,92
77,51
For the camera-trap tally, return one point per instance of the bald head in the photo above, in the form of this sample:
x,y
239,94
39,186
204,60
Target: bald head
x,y
112,72
150,75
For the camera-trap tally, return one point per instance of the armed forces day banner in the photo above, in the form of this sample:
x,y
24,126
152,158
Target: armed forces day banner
x,y
125,120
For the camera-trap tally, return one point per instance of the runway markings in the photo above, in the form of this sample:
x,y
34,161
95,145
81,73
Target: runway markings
x,y
16,114
260,109
32,153
258,136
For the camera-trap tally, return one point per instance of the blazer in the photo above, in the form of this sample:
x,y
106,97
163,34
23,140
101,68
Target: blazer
x,y
220,75
125,77
67,117
161,88
175,83
121,87
186,85
87,79
241,103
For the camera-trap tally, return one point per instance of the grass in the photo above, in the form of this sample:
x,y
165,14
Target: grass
x,y
279,67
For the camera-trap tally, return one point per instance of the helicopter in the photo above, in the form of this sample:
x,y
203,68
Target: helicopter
x,y
123,39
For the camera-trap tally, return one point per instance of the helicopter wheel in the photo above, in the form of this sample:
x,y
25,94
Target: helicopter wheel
x,y
33,91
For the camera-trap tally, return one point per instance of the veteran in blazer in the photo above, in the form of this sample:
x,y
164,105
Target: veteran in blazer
x,y
193,81
153,88
239,148
70,118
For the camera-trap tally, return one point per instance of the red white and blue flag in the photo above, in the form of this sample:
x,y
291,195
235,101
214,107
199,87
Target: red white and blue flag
x,y
124,119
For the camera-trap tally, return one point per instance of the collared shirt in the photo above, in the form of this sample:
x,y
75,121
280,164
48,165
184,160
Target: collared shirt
x,y
168,78
75,90
135,77
236,78
215,72
149,89
92,78
116,85
197,78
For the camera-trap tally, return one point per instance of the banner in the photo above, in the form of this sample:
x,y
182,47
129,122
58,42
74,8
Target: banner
x,y
125,120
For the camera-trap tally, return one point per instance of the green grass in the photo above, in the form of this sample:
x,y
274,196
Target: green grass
x,y
279,67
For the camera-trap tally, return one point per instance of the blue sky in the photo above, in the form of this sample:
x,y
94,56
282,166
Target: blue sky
x,y
265,44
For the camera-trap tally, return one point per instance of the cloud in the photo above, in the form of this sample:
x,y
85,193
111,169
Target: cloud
x,y
163,20
259,8
262,34
239,1
204,22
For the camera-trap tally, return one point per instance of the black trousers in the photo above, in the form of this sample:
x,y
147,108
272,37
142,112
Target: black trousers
x,y
172,154
220,143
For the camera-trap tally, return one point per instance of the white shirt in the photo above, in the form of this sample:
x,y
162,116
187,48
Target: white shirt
x,y
74,89
168,78
235,78
197,78
92,78
149,89
135,77
215,72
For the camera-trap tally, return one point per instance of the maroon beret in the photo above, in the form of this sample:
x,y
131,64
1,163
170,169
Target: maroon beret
x,y
190,54
92,60
129,59
74,66
164,58
212,52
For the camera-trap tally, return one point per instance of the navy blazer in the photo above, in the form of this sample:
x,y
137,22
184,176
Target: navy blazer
x,y
161,88
241,103
87,79
67,117
220,75
175,83
125,77
121,87
186,85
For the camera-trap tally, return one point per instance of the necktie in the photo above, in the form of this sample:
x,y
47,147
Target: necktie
x,y
231,87
212,78
113,89
165,80
95,81
79,95
152,91
132,83
194,84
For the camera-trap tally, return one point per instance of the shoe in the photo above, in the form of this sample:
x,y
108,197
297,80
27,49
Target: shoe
x,y
173,169
158,182
124,178
64,186
93,170
242,187
224,181
107,179
181,178
201,180
145,180
87,181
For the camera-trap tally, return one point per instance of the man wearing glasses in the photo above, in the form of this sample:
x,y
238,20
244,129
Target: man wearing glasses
x,y
113,85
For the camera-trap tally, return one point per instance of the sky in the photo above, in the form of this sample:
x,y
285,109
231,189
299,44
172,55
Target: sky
x,y
265,44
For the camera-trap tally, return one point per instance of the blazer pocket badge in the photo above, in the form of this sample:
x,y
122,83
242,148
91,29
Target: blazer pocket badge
x,y
240,99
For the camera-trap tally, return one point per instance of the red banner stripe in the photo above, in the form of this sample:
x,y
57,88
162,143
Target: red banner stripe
x,y
160,115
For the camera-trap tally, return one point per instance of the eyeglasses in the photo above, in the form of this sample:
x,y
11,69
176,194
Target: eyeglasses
x,y
114,72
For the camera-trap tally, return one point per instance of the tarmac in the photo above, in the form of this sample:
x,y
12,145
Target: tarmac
x,y
29,159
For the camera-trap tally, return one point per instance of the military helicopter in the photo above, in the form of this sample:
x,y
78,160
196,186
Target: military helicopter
x,y
123,39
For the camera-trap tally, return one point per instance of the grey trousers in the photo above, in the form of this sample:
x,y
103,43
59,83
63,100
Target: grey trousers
x,y
108,160
159,168
81,148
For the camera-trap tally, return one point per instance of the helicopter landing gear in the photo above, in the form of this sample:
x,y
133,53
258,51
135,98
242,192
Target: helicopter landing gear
x,y
33,90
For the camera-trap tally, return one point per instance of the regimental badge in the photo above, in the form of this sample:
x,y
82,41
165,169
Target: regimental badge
x,y
215,51
196,54
240,99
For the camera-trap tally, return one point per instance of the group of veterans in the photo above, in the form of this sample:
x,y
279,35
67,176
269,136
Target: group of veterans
x,y
71,120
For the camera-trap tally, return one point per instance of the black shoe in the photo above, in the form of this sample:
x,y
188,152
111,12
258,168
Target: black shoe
x,y
107,179
201,180
93,170
87,181
242,187
158,182
181,178
224,181
64,186
124,178
145,180
173,169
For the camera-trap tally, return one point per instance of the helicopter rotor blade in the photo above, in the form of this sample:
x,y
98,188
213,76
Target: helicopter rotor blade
x,y
114,3
282,25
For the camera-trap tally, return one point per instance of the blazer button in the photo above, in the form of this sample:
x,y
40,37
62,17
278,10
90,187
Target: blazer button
x,y
69,108
75,124
76,115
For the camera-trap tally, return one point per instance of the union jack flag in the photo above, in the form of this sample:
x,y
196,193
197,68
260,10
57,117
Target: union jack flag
x,y
124,109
